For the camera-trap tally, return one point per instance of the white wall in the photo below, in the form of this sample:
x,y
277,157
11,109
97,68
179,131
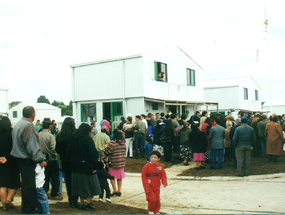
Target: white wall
x,y
251,103
176,86
228,97
108,80
278,109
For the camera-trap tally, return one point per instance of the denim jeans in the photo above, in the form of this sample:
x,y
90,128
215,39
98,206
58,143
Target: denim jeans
x,y
263,147
220,157
42,201
139,143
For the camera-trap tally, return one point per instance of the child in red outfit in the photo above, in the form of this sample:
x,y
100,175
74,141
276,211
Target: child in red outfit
x,y
152,175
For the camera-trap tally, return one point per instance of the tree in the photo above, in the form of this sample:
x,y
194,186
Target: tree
x,y
57,103
13,104
43,99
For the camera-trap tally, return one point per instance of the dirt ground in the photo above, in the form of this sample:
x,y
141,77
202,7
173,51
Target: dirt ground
x,y
101,208
258,166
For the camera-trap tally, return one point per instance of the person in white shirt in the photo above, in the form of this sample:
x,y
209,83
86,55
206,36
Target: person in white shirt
x,y
42,198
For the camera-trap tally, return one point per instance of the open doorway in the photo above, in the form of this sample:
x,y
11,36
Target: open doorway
x,y
172,108
107,111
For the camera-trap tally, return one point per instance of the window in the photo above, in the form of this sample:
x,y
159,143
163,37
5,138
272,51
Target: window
x,y
154,106
190,77
160,71
256,95
245,93
88,110
15,114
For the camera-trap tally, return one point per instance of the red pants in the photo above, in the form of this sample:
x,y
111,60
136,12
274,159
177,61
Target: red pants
x,y
153,198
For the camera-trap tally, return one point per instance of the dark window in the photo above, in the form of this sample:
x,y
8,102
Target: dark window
x,y
15,114
256,95
245,93
88,110
154,106
160,71
190,77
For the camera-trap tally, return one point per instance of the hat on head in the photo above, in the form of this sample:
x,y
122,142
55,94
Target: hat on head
x,y
244,117
264,116
122,117
238,120
47,121
230,117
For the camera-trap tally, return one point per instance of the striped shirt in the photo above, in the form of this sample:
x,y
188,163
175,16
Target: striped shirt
x,y
117,153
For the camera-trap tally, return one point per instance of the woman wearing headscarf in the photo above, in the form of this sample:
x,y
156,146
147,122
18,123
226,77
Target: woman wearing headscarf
x,y
116,150
9,172
84,157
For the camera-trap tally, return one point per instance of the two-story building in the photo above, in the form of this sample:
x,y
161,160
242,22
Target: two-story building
x,y
159,80
240,94
4,104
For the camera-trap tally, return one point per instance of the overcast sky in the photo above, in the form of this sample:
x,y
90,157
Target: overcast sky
x,y
39,40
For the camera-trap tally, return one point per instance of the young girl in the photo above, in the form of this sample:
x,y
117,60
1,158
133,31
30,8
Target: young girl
x,y
198,141
102,176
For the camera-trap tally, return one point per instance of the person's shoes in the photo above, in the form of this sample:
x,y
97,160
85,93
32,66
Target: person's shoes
x,y
113,194
198,168
5,208
100,200
108,200
82,207
118,193
90,206
131,157
212,167
245,175
56,198
186,164
9,204
220,167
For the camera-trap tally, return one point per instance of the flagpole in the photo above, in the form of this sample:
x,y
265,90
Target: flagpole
x,y
269,74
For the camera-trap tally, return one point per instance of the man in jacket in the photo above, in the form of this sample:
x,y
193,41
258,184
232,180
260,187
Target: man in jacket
x,y
47,143
217,136
26,148
261,126
139,130
243,139
256,146
100,141
232,132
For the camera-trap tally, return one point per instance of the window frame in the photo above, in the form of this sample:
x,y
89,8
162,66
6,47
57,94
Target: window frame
x,y
245,93
256,95
157,70
87,105
190,75
154,105
15,114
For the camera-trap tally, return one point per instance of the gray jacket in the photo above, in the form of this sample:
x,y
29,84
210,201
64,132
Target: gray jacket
x,y
26,143
217,136
244,135
47,142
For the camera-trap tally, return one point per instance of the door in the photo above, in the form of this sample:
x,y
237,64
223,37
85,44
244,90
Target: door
x,y
113,111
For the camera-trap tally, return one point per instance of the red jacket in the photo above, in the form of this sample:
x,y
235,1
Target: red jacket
x,y
152,175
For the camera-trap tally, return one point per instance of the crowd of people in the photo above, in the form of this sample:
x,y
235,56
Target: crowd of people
x,y
34,156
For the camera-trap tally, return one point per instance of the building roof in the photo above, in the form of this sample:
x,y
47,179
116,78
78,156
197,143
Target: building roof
x,y
38,106
130,56
274,103
226,82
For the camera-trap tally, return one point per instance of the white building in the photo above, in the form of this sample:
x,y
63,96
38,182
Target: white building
x,y
240,93
43,110
278,107
119,86
4,104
